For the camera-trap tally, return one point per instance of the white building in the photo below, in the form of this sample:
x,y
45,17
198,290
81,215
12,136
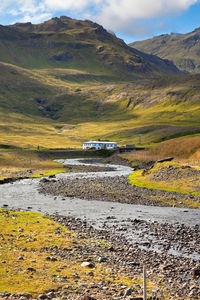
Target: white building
x,y
99,145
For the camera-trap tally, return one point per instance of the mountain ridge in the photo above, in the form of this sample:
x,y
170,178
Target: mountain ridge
x,y
68,81
83,45
182,49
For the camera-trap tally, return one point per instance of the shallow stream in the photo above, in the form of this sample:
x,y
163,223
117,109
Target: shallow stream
x,y
24,195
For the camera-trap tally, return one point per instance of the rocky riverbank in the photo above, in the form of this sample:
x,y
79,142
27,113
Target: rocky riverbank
x,y
115,189
178,277
169,276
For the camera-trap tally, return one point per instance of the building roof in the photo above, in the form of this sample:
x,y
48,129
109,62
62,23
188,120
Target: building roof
x,y
99,142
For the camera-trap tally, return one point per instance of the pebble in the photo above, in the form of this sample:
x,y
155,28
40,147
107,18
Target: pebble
x,y
87,264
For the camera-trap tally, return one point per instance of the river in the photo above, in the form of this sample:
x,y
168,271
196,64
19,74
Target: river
x,y
24,195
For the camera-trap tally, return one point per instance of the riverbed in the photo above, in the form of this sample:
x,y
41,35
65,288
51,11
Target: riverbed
x,y
24,194
151,235
117,217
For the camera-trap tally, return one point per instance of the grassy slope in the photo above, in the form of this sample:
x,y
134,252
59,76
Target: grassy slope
x,y
185,151
182,49
66,107
18,163
186,184
69,80
67,101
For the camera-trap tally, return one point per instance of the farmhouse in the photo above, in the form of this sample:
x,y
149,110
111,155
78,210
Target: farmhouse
x,y
99,145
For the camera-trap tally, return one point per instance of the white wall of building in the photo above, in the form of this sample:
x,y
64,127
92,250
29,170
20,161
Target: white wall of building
x,y
99,145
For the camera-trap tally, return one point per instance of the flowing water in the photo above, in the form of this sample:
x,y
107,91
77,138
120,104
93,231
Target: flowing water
x,y
24,195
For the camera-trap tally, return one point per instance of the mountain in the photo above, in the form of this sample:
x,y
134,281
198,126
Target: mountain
x,y
182,49
66,81
82,45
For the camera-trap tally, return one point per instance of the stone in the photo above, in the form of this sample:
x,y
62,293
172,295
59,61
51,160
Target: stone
x,y
21,257
87,297
51,295
53,259
52,176
87,264
42,296
129,291
196,272
102,259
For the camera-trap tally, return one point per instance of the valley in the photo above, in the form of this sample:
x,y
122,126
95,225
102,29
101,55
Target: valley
x,y
80,224
73,81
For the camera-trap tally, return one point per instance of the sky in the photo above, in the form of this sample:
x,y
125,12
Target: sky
x,y
131,20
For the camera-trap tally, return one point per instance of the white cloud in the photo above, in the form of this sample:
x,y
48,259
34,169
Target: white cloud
x,y
117,15
37,18
66,4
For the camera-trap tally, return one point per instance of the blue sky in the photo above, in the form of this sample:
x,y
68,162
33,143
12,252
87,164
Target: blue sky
x,y
130,19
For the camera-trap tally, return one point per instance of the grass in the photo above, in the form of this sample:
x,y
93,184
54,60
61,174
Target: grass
x,y
38,232
181,49
179,181
18,163
26,242
185,147
185,151
66,109
30,163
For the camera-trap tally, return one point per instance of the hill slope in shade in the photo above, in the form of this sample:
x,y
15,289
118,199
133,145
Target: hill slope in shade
x,y
182,49
83,45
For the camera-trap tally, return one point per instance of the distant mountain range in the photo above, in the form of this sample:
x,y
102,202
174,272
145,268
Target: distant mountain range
x,y
182,49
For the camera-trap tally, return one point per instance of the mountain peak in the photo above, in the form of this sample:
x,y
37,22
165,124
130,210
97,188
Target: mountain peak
x,y
182,49
79,44
54,24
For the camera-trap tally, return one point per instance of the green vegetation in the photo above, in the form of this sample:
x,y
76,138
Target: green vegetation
x,y
182,49
18,163
27,239
170,176
80,88
184,149
36,103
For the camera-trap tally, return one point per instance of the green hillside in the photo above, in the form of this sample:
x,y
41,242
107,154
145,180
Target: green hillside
x,y
182,49
65,109
66,81
81,45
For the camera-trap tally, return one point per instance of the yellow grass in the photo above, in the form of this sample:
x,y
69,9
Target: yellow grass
x,y
26,164
185,184
25,241
185,150
179,148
